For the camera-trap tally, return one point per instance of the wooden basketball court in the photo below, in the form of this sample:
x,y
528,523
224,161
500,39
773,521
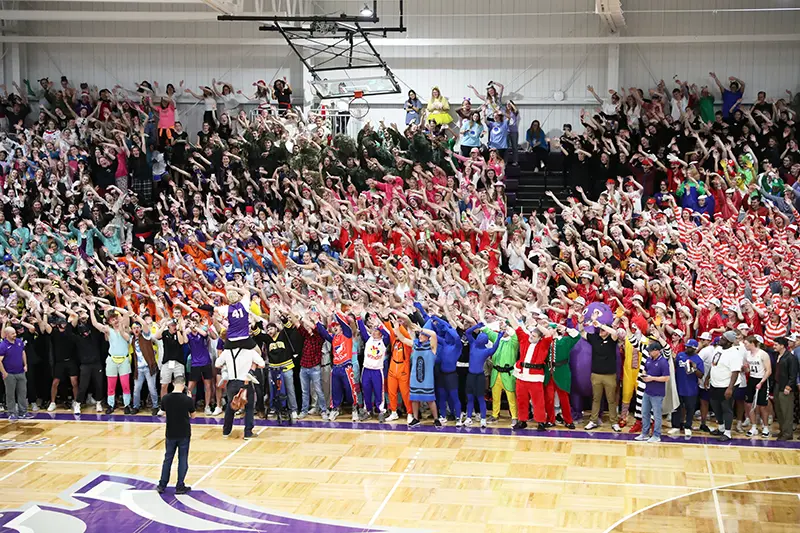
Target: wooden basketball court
x,y
423,479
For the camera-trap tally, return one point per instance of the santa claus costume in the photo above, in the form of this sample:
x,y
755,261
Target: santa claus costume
x,y
529,371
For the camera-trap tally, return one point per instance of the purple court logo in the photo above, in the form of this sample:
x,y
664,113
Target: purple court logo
x,y
11,444
103,503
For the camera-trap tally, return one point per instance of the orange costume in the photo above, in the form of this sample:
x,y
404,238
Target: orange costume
x,y
399,376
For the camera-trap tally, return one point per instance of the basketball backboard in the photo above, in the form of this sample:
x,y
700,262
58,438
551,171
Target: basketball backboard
x,y
348,87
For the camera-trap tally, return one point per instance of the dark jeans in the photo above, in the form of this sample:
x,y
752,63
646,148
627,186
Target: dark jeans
x,y
683,419
539,156
234,386
513,143
723,409
182,445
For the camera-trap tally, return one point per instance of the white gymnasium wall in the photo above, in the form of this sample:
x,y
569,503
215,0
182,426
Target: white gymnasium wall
x,y
531,73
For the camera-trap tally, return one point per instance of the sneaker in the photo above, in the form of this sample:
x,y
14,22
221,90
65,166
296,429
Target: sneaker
x,y
51,407
207,411
76,408
674,431
541,427
98,407
333,414
641,438
27,416
459,423
301,416
746,423
154,411
654,439
160,412
442,421
723,438
382,417
414,422
248,436
687,432
127,410
226,435
35,407
293,416
739,428
324,416
716,432
571,425
519,425
160,489
217,411
468,422
752,432
183,490
135,411
109,410
364,417
492,419
514,421
765,432
636,427
616,428
409,419
251,377
590,426
438,422
355,416
483,422
12,417
705,428
392,416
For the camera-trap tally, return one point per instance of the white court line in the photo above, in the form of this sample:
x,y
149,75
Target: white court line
x,y
388,497
411,432
777,493
57,447
228,457
695,493
23,467
720,523
717,508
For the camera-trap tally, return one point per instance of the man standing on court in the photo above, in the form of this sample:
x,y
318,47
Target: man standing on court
x,y
179,408
725,369
238,362
13,365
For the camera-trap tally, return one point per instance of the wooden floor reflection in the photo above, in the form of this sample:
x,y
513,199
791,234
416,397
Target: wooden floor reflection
x,y
432,482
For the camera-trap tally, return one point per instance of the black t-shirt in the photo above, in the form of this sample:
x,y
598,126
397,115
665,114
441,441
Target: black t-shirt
x,y
62,345
173,350
604,354
178,407
87,343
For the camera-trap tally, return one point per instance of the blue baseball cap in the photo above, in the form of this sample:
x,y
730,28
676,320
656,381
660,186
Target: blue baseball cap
x,y
692,343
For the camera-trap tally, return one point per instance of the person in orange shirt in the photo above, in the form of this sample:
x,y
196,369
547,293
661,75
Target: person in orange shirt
x,y
399,374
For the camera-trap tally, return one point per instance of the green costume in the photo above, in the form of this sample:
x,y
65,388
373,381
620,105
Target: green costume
x,y
504,359
557,365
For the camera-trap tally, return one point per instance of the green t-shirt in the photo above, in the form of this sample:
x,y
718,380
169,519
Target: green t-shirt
x,y
706,106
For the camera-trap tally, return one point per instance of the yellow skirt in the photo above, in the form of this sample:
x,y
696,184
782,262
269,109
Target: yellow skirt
x,y
440,117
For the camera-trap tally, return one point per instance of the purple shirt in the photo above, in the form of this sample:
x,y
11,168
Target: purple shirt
x,y
198,347
656,368
11,352
238,322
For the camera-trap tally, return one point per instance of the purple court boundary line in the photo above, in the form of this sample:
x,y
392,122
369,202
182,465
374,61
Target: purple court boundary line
x,y
450,430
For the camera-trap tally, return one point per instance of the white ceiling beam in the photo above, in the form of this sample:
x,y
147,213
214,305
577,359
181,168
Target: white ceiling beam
x,y
114,16
114,1
611,13
411,42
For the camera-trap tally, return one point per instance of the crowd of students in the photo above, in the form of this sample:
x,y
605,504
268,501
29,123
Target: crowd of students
x,y
386,272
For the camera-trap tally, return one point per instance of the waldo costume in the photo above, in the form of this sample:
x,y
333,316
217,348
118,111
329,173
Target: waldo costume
x,y
529,372
632,379
502,379
558,376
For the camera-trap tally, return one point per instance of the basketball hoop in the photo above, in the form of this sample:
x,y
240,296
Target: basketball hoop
x,y
359,107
